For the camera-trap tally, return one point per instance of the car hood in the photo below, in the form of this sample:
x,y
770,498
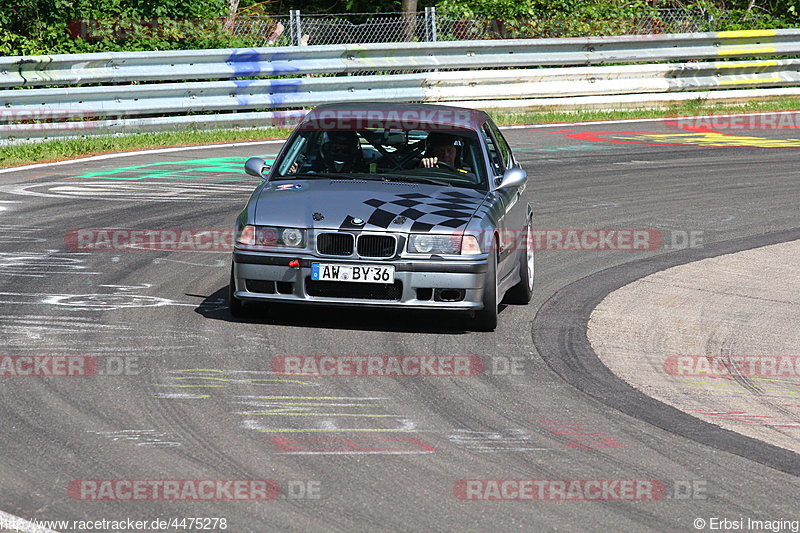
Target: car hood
x,y
368,205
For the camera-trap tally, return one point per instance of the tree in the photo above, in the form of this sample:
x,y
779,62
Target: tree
x,y
233,7
410,16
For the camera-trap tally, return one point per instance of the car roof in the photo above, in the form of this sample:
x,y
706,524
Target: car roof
x,y
461,117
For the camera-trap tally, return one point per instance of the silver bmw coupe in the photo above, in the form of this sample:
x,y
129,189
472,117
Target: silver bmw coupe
x,y
387,205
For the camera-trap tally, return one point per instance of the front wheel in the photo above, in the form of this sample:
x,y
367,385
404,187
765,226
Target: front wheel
x,y
486,318
522,292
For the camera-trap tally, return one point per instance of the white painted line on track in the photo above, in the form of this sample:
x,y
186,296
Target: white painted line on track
x,y
20,524
357,453
134,153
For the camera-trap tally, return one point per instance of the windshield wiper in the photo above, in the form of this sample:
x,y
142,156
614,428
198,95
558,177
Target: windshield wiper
x,y
302,175
418,179
357,176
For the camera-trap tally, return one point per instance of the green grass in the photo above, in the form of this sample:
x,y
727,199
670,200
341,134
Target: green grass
x,y
20,154
71,148
688,108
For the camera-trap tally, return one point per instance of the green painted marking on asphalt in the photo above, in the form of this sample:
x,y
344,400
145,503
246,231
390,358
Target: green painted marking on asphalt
x,y
208,169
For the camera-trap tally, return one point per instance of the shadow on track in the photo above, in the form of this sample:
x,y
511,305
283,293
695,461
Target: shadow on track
x,y
215,307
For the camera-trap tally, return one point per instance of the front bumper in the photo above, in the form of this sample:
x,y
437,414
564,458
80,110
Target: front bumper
x,y
444,278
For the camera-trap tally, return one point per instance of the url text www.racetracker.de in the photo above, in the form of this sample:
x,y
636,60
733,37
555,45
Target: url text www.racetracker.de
x,y
114,525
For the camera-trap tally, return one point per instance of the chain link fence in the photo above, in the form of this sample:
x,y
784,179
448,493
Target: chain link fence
x,y
340,30
300,30
357,28
263,31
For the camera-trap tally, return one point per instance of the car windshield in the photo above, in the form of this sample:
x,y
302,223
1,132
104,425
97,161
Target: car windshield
x,y
450,157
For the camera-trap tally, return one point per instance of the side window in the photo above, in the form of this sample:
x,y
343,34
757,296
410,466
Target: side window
x,y
495,158
295,154
502,145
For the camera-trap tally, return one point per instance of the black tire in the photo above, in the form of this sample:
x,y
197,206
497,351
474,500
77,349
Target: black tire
x,y
236,307
521,293
486,318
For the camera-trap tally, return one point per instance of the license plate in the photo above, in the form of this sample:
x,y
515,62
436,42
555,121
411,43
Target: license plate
x,y
352,273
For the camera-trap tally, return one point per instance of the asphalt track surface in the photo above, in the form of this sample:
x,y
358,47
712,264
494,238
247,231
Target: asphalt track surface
x,y
559,417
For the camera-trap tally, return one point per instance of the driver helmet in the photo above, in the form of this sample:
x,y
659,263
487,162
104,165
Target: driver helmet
x,y
342,151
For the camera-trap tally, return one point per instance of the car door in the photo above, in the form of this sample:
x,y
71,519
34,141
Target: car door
x,y
500,159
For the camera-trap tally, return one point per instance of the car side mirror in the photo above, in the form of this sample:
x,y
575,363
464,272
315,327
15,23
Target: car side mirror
x,y
255,166
513,177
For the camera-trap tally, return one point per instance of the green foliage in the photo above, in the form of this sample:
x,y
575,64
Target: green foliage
x,y
544,8
547,18
573,18
735,15
30,27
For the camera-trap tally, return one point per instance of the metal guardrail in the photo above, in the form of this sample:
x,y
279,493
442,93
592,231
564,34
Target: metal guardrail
x,y
147,90
119,67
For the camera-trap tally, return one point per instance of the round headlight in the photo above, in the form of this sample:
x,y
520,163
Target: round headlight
x,y
292,237
424,243
267,236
